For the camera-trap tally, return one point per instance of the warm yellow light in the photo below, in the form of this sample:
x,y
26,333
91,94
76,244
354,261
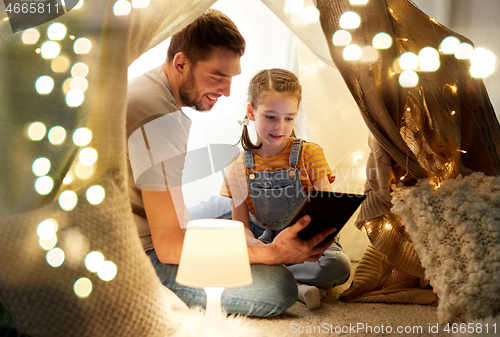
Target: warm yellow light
x,y
88,156
349,20
382,41
66,87
453,112
293,6
68,200
82,46
107,271
95,194
449,45
408,79
50,49
93,261
48,244
309,14
30,36
55,257
44,185
57,135
408,61
369,54
79,83
483,63
140,3
75,97
68,179
44,85
352,52
464,51
47,229
463,151
38,50
56,31
82,136
83,171
122,7
79,69
429,59
60,64
341,38
36,131
82,286
41,166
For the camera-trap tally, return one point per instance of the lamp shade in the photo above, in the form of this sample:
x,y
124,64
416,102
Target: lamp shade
x,y
214,254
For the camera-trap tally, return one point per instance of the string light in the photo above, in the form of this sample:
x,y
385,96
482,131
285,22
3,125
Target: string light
x,y
93,261
82,286
57,135
349,20
47,229
41,166
463,151
56,31
82,136
30,36
36,131
50,49
55,257
408,79
341,38
83,45
309,14
449,45
107,271
44,85
60,64
88,156
95,194
464,51
453,112
352,52
43,185
122,7
68,200
382,41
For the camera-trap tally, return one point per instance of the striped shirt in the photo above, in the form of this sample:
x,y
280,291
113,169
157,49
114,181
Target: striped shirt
x,y
312,166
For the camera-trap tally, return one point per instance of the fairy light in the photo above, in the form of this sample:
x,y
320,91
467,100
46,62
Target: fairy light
x,y
48,244
382,41
82,136
349,20
50,49
453,112
47,229
68,179
82,286
30,36
352,52
408,79
93,261
56,31
55,257
369,54
122,7
36,131
463,151
79,69
57,135
66,87
83,171
43,185
309,14
408,61
60,64
38,50
483,63
293,6
88,156
429,59
41,166
107,271
95,194
68,200
449,45
464,51
79,83
44,85
72,37
83,45
341,38
74,97
140,3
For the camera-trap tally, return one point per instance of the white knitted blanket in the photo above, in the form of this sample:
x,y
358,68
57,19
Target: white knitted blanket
x,y
455,228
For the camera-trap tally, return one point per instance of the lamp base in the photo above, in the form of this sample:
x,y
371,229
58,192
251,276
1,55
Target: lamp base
x,y
213,323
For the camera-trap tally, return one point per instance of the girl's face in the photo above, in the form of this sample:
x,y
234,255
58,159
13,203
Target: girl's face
x,y
274,119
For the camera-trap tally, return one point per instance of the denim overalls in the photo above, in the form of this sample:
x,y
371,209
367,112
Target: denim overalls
x,y
275,195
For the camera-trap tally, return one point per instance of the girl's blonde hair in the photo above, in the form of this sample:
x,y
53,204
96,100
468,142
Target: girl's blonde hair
x,y
265,82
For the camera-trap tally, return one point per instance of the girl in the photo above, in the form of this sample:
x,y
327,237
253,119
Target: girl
x,y
271,179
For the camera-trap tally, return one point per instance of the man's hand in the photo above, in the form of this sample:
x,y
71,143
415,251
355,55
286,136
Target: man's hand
x,y
288,248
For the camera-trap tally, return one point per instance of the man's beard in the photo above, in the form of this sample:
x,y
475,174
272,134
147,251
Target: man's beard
x,y
189,95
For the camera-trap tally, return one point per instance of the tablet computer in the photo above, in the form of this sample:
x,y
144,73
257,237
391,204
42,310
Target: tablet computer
x,y
327,210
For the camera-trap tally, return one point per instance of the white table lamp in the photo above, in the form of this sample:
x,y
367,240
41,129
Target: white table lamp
x,y
214,256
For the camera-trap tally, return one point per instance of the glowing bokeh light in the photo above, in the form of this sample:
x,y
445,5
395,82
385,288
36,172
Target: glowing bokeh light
x,y
341,38
122,7
66,87
140,3
483,63
293,6
56,31
60,64
79,69
44,185
68,178
83,171
408,61
82,136
88,156
95,194
68,200
30,36
41,166
44,85
36,131
107,271
75,97
57,135
309,14
349,20
369,54
358,2
464,51
93,261
79,83
48,244
449,45
50,50
352,52
382,41
82,46
55,257
408,79
46,229
429,59
82,286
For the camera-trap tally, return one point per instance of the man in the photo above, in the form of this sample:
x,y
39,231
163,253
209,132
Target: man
x,y
201,61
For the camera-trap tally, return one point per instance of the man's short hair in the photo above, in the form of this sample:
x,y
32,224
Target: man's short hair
x,y
212,29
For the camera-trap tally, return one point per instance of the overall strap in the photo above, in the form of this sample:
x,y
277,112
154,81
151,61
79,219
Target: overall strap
x,y
248,157
295,152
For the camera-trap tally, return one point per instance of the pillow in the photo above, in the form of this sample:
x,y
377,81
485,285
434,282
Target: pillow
x,y
455,228
42,299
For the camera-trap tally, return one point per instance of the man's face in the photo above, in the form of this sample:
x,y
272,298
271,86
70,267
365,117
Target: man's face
x,y
207,80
